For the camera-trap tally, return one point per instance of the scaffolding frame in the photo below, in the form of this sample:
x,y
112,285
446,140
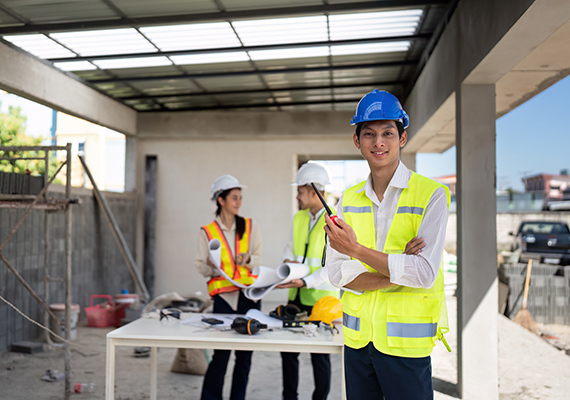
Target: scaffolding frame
x,y
41,201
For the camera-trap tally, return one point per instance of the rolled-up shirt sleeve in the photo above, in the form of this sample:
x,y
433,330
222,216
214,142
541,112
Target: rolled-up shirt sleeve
x,y
341,268
421,271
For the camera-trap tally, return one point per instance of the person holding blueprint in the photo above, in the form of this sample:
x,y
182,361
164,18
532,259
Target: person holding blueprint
x,y
240,252
306,246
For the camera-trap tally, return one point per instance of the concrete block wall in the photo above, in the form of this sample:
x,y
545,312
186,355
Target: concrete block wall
x,y
97,263
548,295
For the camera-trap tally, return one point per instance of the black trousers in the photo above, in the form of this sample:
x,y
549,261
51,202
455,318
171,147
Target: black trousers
x,y
370,374
214,378
290,367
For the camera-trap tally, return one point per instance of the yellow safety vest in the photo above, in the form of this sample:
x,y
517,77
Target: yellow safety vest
x,y
399,320
310,252
239,273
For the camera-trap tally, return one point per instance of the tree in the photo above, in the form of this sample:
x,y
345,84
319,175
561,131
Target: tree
x,y
13,133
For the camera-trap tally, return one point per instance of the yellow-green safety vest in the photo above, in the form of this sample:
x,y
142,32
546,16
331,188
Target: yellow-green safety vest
x,y
399,320
311,251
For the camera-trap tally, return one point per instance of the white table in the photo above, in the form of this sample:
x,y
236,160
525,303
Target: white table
x,y
170,333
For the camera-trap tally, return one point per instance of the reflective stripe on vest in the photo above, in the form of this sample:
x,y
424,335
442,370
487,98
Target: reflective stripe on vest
x,y
359,210
410,210
350,322
396,329
312,254
239,273
400,321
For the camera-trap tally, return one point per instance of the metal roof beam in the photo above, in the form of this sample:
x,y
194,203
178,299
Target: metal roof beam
x,y
261,105
285,89
245,48
217,16
256,72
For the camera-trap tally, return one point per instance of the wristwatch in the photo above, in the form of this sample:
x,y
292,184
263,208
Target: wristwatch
x,y
304,283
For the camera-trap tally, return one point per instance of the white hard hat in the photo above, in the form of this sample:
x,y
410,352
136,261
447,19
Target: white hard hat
x,y
222,183
312,173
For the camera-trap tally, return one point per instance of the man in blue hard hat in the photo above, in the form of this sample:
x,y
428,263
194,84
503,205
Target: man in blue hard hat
x,y
394,304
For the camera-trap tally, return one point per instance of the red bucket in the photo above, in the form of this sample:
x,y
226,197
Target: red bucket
x,y
100,315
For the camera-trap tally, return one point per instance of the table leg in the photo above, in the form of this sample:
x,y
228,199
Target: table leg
x,y
153,373
110,367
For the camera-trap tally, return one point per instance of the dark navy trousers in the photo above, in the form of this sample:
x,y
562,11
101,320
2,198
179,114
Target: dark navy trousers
x,y
290,367
370,374
214,378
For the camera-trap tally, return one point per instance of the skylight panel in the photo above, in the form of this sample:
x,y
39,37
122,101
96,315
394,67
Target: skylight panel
x,y
192,36
303,52
370,48
39,45
210,58
75,66
282,30
109,41
370,25
133,62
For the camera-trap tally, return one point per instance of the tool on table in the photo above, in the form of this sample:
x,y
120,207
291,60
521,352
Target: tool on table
x,y
247,326
299,324
212,321
329,212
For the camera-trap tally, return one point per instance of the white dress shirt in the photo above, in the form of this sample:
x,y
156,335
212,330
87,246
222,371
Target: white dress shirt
x,y
406,270
318,279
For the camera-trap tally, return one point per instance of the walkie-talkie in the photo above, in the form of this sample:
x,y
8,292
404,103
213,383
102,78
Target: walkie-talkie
x,y
329,212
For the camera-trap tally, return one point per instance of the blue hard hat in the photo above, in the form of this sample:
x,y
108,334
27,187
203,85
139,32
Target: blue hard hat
x,y
380,105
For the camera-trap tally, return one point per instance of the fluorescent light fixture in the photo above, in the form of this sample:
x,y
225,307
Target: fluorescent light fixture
x,y
303,52
75,66
39,45
370,25
103,42
133,62
282,30
192,36
210,58
370,48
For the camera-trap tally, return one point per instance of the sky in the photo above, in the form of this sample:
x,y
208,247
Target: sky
x,y
533,138
39,116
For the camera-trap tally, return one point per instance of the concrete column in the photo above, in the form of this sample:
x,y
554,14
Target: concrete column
x,y
130,163
477,294
409,160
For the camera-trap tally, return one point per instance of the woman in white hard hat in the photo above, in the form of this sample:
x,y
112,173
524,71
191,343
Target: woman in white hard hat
x,y
241,252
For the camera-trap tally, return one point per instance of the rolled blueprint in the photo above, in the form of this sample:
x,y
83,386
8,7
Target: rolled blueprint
x,y
215,250
267,278
285,273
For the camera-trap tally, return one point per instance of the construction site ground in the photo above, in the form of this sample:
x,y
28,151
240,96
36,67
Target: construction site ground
x,y
530,367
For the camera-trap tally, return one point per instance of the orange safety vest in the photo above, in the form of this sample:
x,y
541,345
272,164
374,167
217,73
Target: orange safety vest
x,y
241,274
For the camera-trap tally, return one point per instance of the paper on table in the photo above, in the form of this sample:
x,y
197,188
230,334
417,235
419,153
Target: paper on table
x,y
263,318
267,278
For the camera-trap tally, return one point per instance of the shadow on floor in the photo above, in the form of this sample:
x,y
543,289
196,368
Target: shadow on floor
x,y
445,387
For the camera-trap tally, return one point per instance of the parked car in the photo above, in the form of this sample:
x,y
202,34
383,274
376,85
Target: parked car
x,y
547,241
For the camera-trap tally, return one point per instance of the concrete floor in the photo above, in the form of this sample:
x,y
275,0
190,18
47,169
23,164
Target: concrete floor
x,y
530,368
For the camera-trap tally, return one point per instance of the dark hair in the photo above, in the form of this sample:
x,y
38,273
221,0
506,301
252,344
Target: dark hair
x,y
310,188
240,221
399,125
